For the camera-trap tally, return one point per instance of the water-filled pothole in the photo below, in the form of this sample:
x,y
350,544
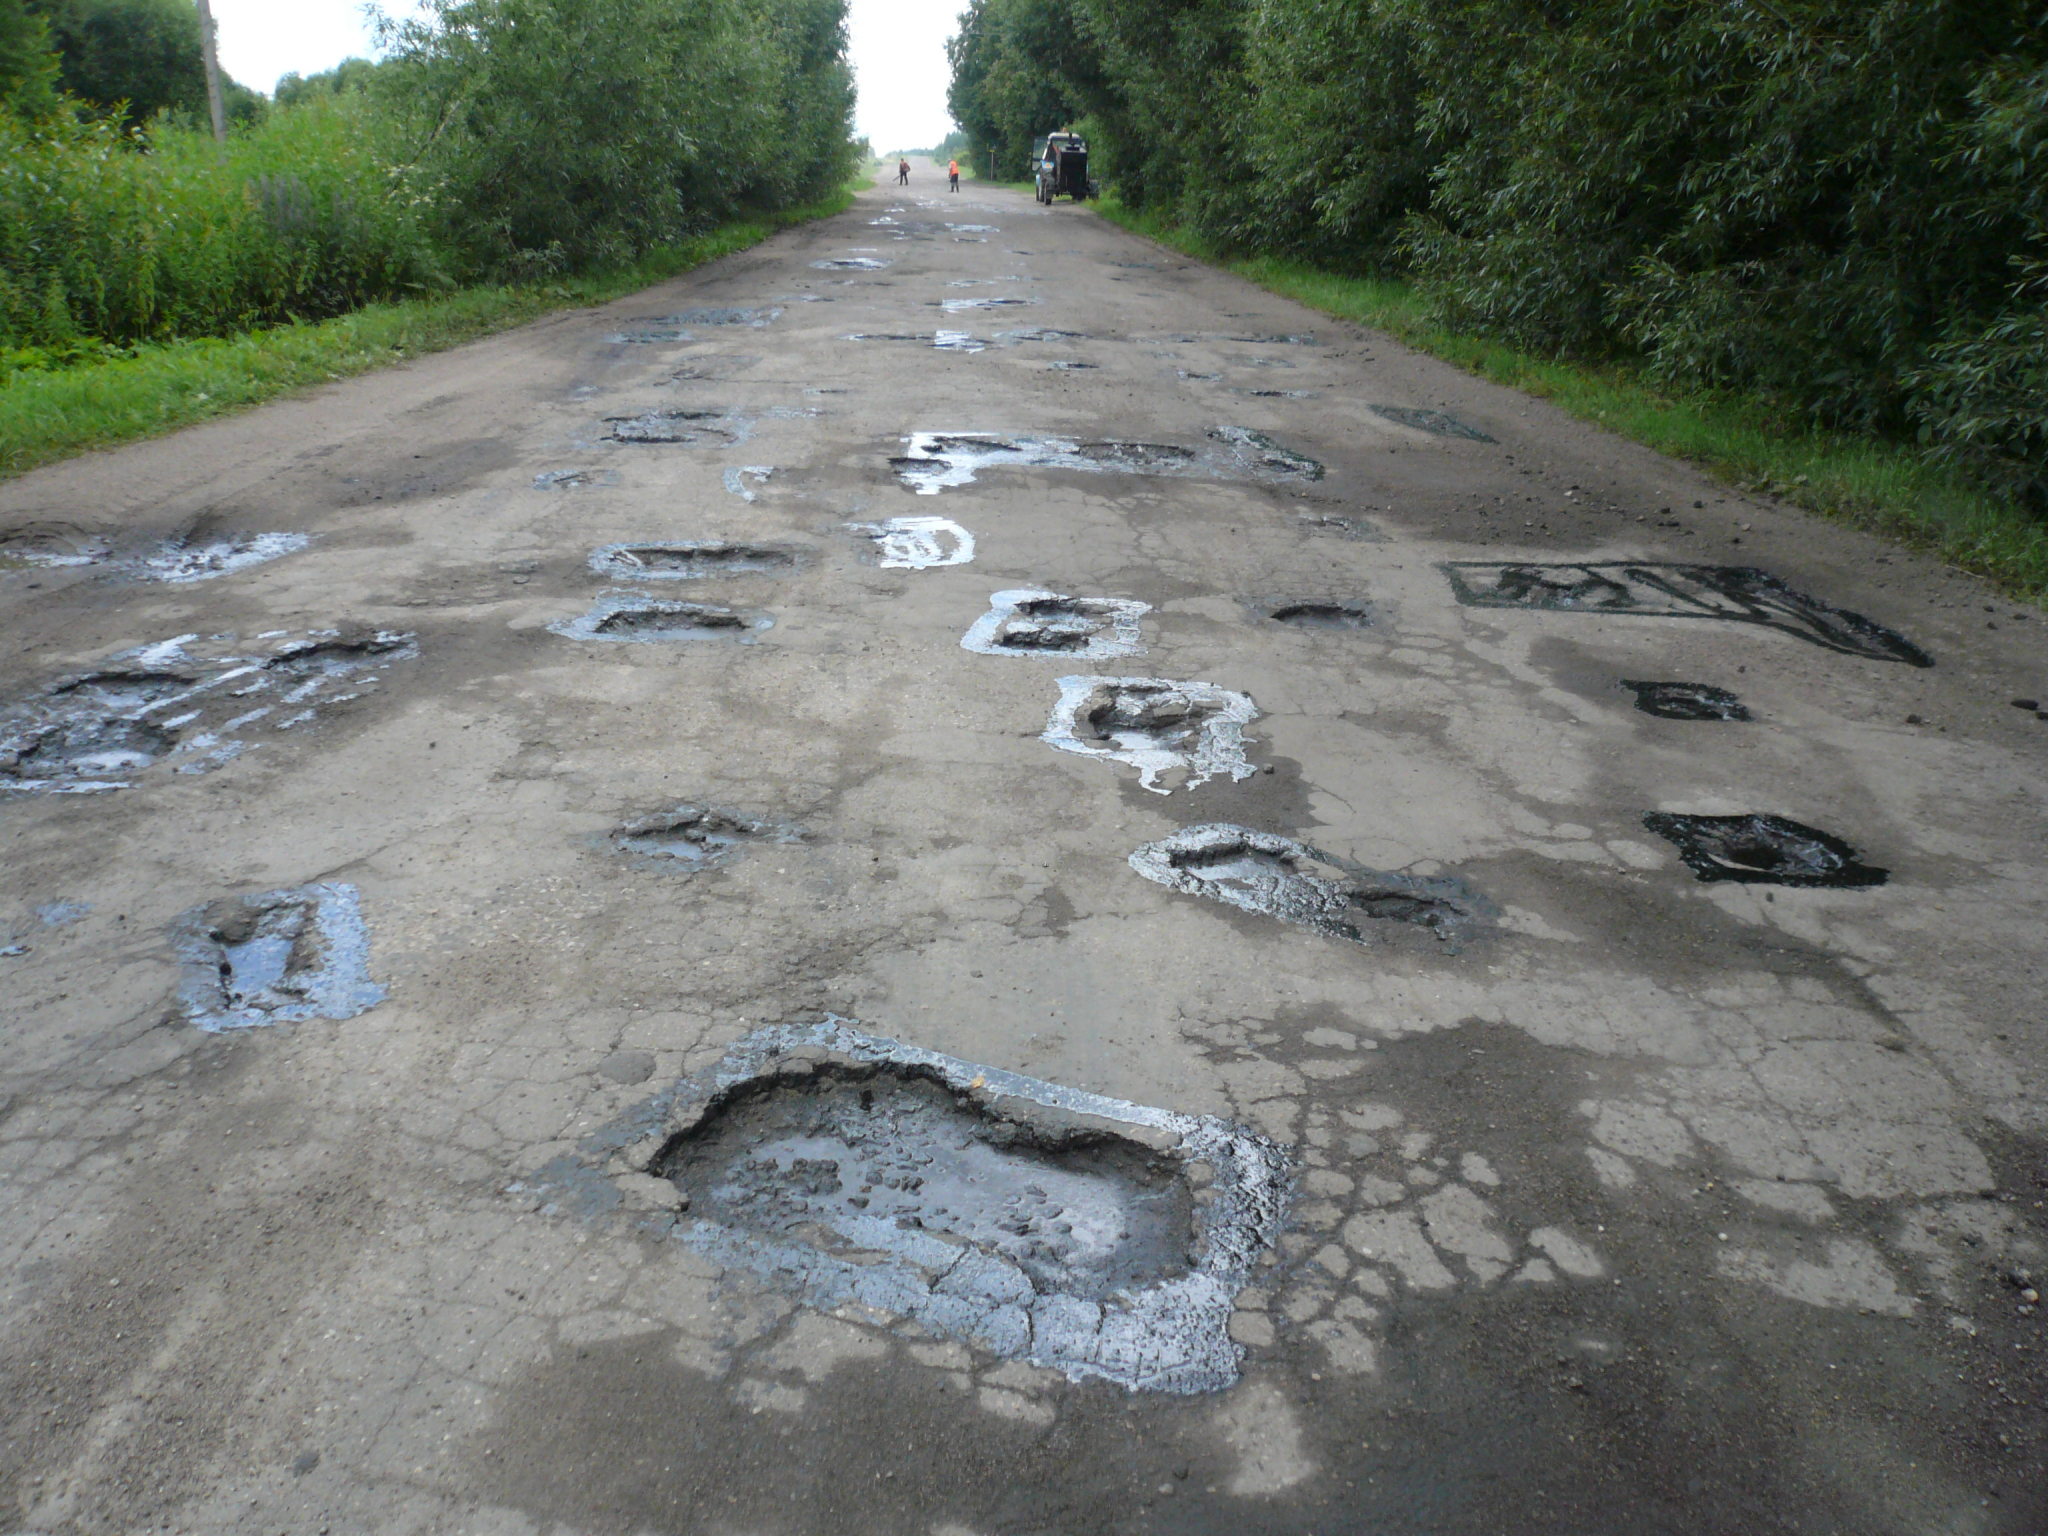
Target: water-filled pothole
x,y
1436,423
181,562
853,264
1324,615
1278,877
694,837
957,306
1176,734
934,461
1265,459
1085,1234
1764,850
918,543
277,958
650,335
1028,621
191,702
755,318
676,425
634,616
1740,594
1686,701
691,560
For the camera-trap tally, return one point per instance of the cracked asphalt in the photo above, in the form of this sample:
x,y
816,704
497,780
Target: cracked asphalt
x,y
1653,1204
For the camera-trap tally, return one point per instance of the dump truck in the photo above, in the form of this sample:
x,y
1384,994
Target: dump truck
x,y
1062,168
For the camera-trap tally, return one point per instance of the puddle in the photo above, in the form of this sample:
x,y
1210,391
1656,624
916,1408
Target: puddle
x,y
755,318
1742,594
192,703
1436,423
1279,877
737,476
1069,367
1318,615
655,335
1764,850
1686,701
693,837
180,562
919,543
958,306
1026,621
690,561
958,341
278,958
1084,1234
573,479
1192,731
974,229
1344,527
853,264
675,425
633,616
937,460
1041,333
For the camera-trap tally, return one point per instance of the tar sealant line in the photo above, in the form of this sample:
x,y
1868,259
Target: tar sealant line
x,y
634,617
1085,1234
281,957
1191,730
1029,621
1667,589
918,543
1278,877
1753,849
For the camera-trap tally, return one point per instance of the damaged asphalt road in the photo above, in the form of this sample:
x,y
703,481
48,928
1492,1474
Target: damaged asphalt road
x,y
682,921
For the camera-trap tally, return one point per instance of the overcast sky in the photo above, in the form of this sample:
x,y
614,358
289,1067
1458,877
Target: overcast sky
x,y
899,55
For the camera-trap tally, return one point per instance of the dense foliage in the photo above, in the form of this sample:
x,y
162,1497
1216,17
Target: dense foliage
x,y
1836,203
502,138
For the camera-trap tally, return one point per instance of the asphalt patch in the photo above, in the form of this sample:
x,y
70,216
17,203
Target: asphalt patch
x,y
1686,701
1764,850
1436,423
1176,734
1276,876
694,837
281,957
1029,621
1736,594
690,561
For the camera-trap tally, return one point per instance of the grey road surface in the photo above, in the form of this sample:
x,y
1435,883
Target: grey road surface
x,y
958,877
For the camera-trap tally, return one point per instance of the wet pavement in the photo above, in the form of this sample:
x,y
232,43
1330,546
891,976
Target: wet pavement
x,y
564,971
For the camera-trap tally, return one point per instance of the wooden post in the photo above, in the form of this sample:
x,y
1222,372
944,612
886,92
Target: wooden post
x,y
991,165
207,51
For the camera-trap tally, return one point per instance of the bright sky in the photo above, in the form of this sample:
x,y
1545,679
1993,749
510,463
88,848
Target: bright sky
x,y
899,55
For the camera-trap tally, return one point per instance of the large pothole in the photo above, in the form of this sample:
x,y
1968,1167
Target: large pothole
x,y
1756,849
918,543
1737,594
1278,877
1085,1234
277,958
694,837
1176,734
634,616
934,461
1686,701
1028,621
1435,423
694,560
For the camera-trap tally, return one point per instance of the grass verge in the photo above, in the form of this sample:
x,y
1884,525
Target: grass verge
x,y
1887,487
52,414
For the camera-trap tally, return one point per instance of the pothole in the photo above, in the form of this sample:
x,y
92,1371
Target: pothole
x,y
633,616
958,341
693,837
1686,701
676,425
1764,850
957,306
1324,615
852,264
755,318
1041,333
1265,459
918,543
650,335
1655,589
1272,341
1085,1234
1436,423
180,562
1344,527
1175,734
1068,366
282,957
690,561
49,545
974,229
573,479
1278,877
1027,621
935,461
193,703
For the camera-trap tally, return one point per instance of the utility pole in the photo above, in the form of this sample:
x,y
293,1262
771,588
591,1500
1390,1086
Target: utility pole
x,y
212,57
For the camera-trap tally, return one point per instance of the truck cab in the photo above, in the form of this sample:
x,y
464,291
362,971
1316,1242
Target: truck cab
x,y
1061,167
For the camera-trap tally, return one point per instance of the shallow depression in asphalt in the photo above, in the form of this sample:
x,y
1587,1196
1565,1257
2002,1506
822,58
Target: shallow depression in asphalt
x,y
690,560
1686,701
693,837
1319,615
633,616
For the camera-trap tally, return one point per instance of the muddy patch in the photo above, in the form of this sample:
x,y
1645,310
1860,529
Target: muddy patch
x,y
704,428
694,837
1085,1234
1435,423
918,543
935,461
194,704
853,264
1322,615
634,616
691,561
278,958
1027,621
574,479
1738,594
179,562
1176,734
1764,850
1686,701
1278,877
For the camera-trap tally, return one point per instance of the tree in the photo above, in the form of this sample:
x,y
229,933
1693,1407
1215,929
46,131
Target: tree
x,y
28,64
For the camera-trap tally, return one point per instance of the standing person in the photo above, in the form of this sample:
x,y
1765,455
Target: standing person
x,y
902,173
953,174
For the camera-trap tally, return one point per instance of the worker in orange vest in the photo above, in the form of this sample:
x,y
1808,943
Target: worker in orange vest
x,y
953,174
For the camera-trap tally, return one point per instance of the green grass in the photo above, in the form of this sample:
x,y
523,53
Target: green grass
x,y
50,414
1887,487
